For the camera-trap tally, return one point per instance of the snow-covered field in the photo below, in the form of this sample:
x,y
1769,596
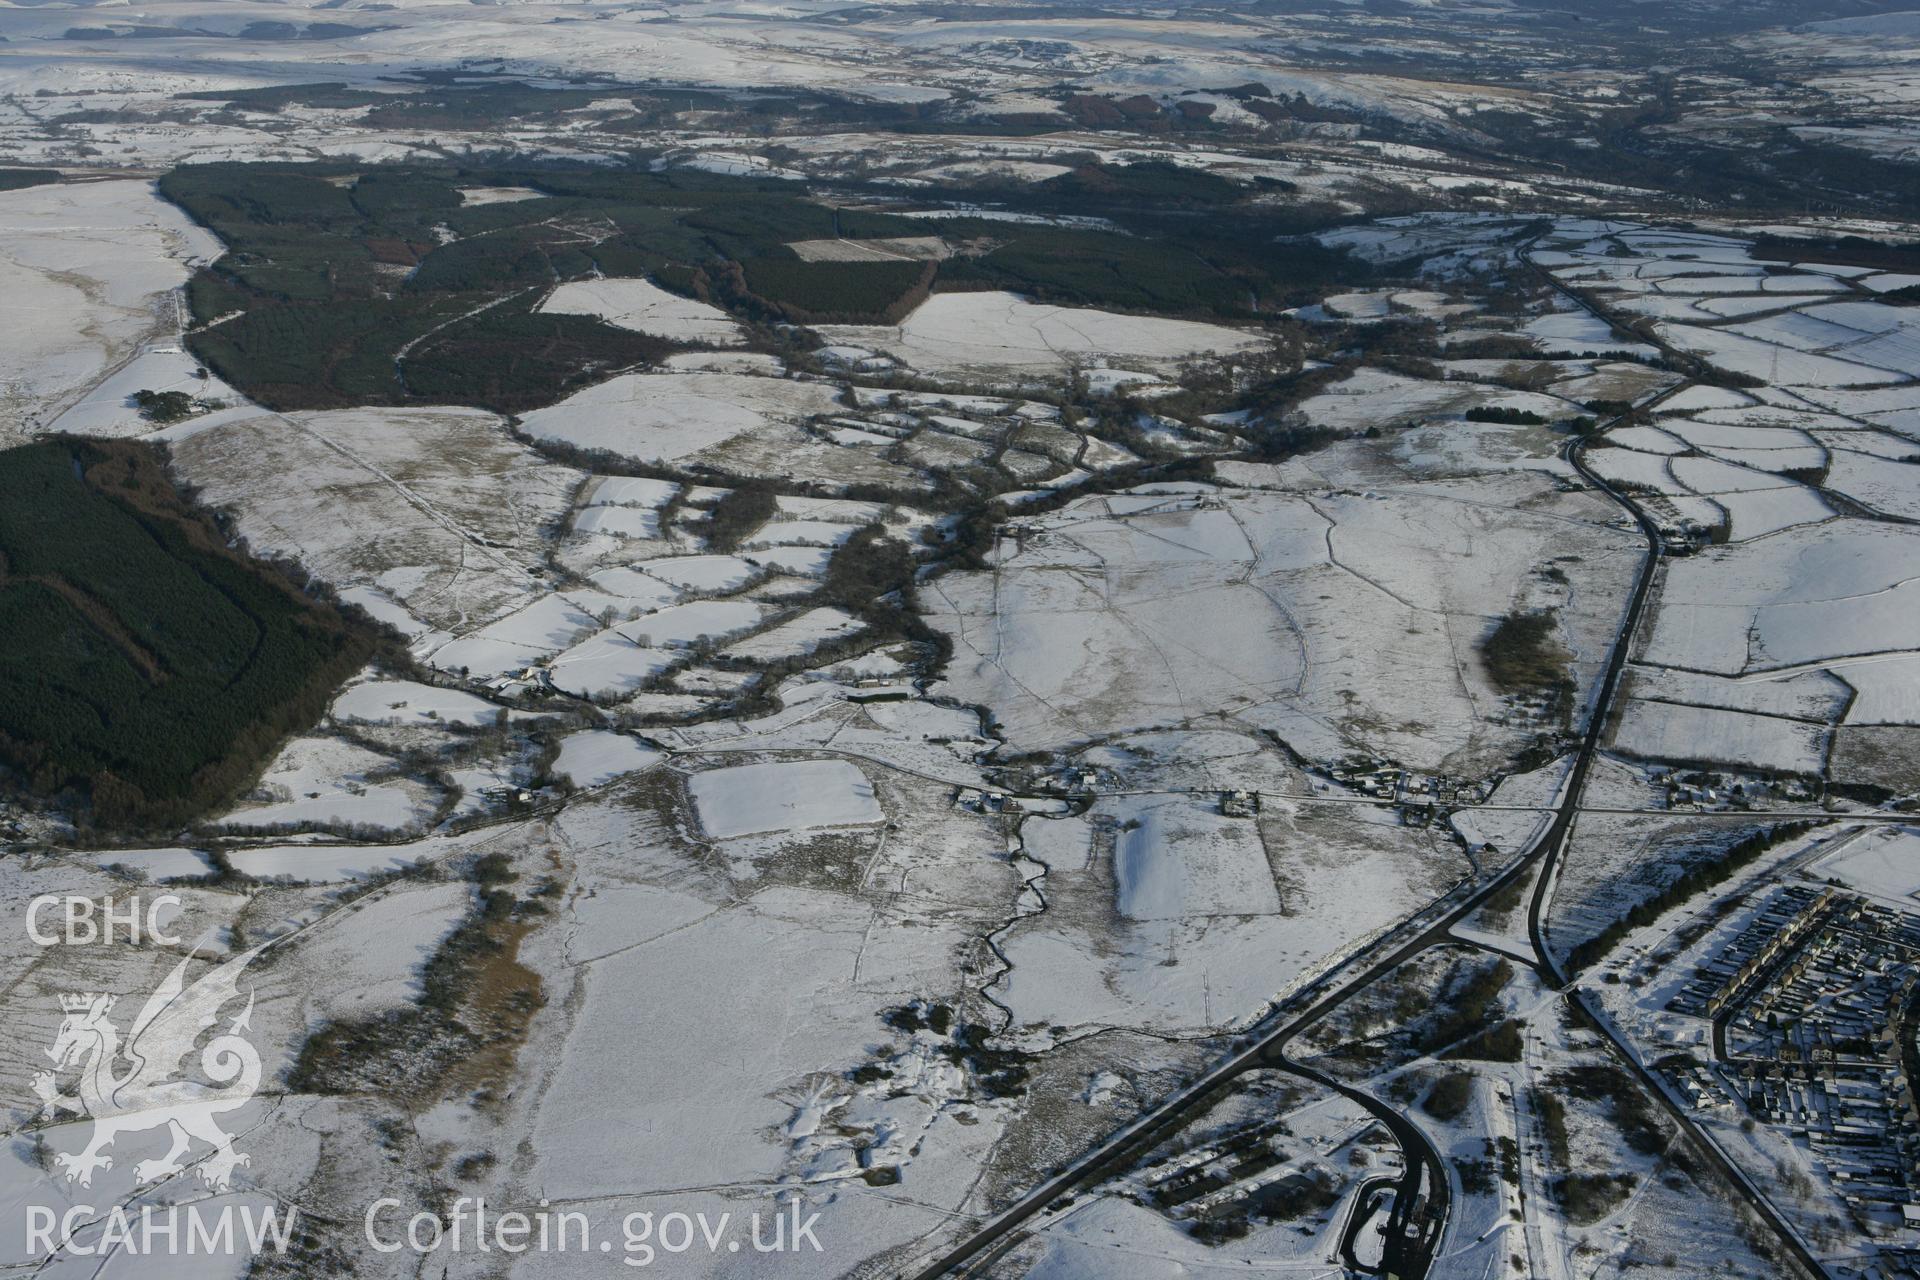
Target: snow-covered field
x,y
1884,862
1332,618
1670,731
673,418
87,271
742,423
595,756
160,365
1177,859
788,795
325,782
993,335
409,702
429,517
1797,598
645,307
1216,916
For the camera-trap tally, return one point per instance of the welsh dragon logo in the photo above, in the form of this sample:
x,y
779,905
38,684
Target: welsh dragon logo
x,y
141,1084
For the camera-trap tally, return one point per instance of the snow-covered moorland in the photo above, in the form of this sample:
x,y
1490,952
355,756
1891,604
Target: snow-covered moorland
x,y
870,764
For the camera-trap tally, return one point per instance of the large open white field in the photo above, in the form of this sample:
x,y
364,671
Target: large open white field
x,y
995,334
1885,862
1838,590
1344,623
645,307
791,795
1178,859
672,417
1713,735
435,511
87,271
